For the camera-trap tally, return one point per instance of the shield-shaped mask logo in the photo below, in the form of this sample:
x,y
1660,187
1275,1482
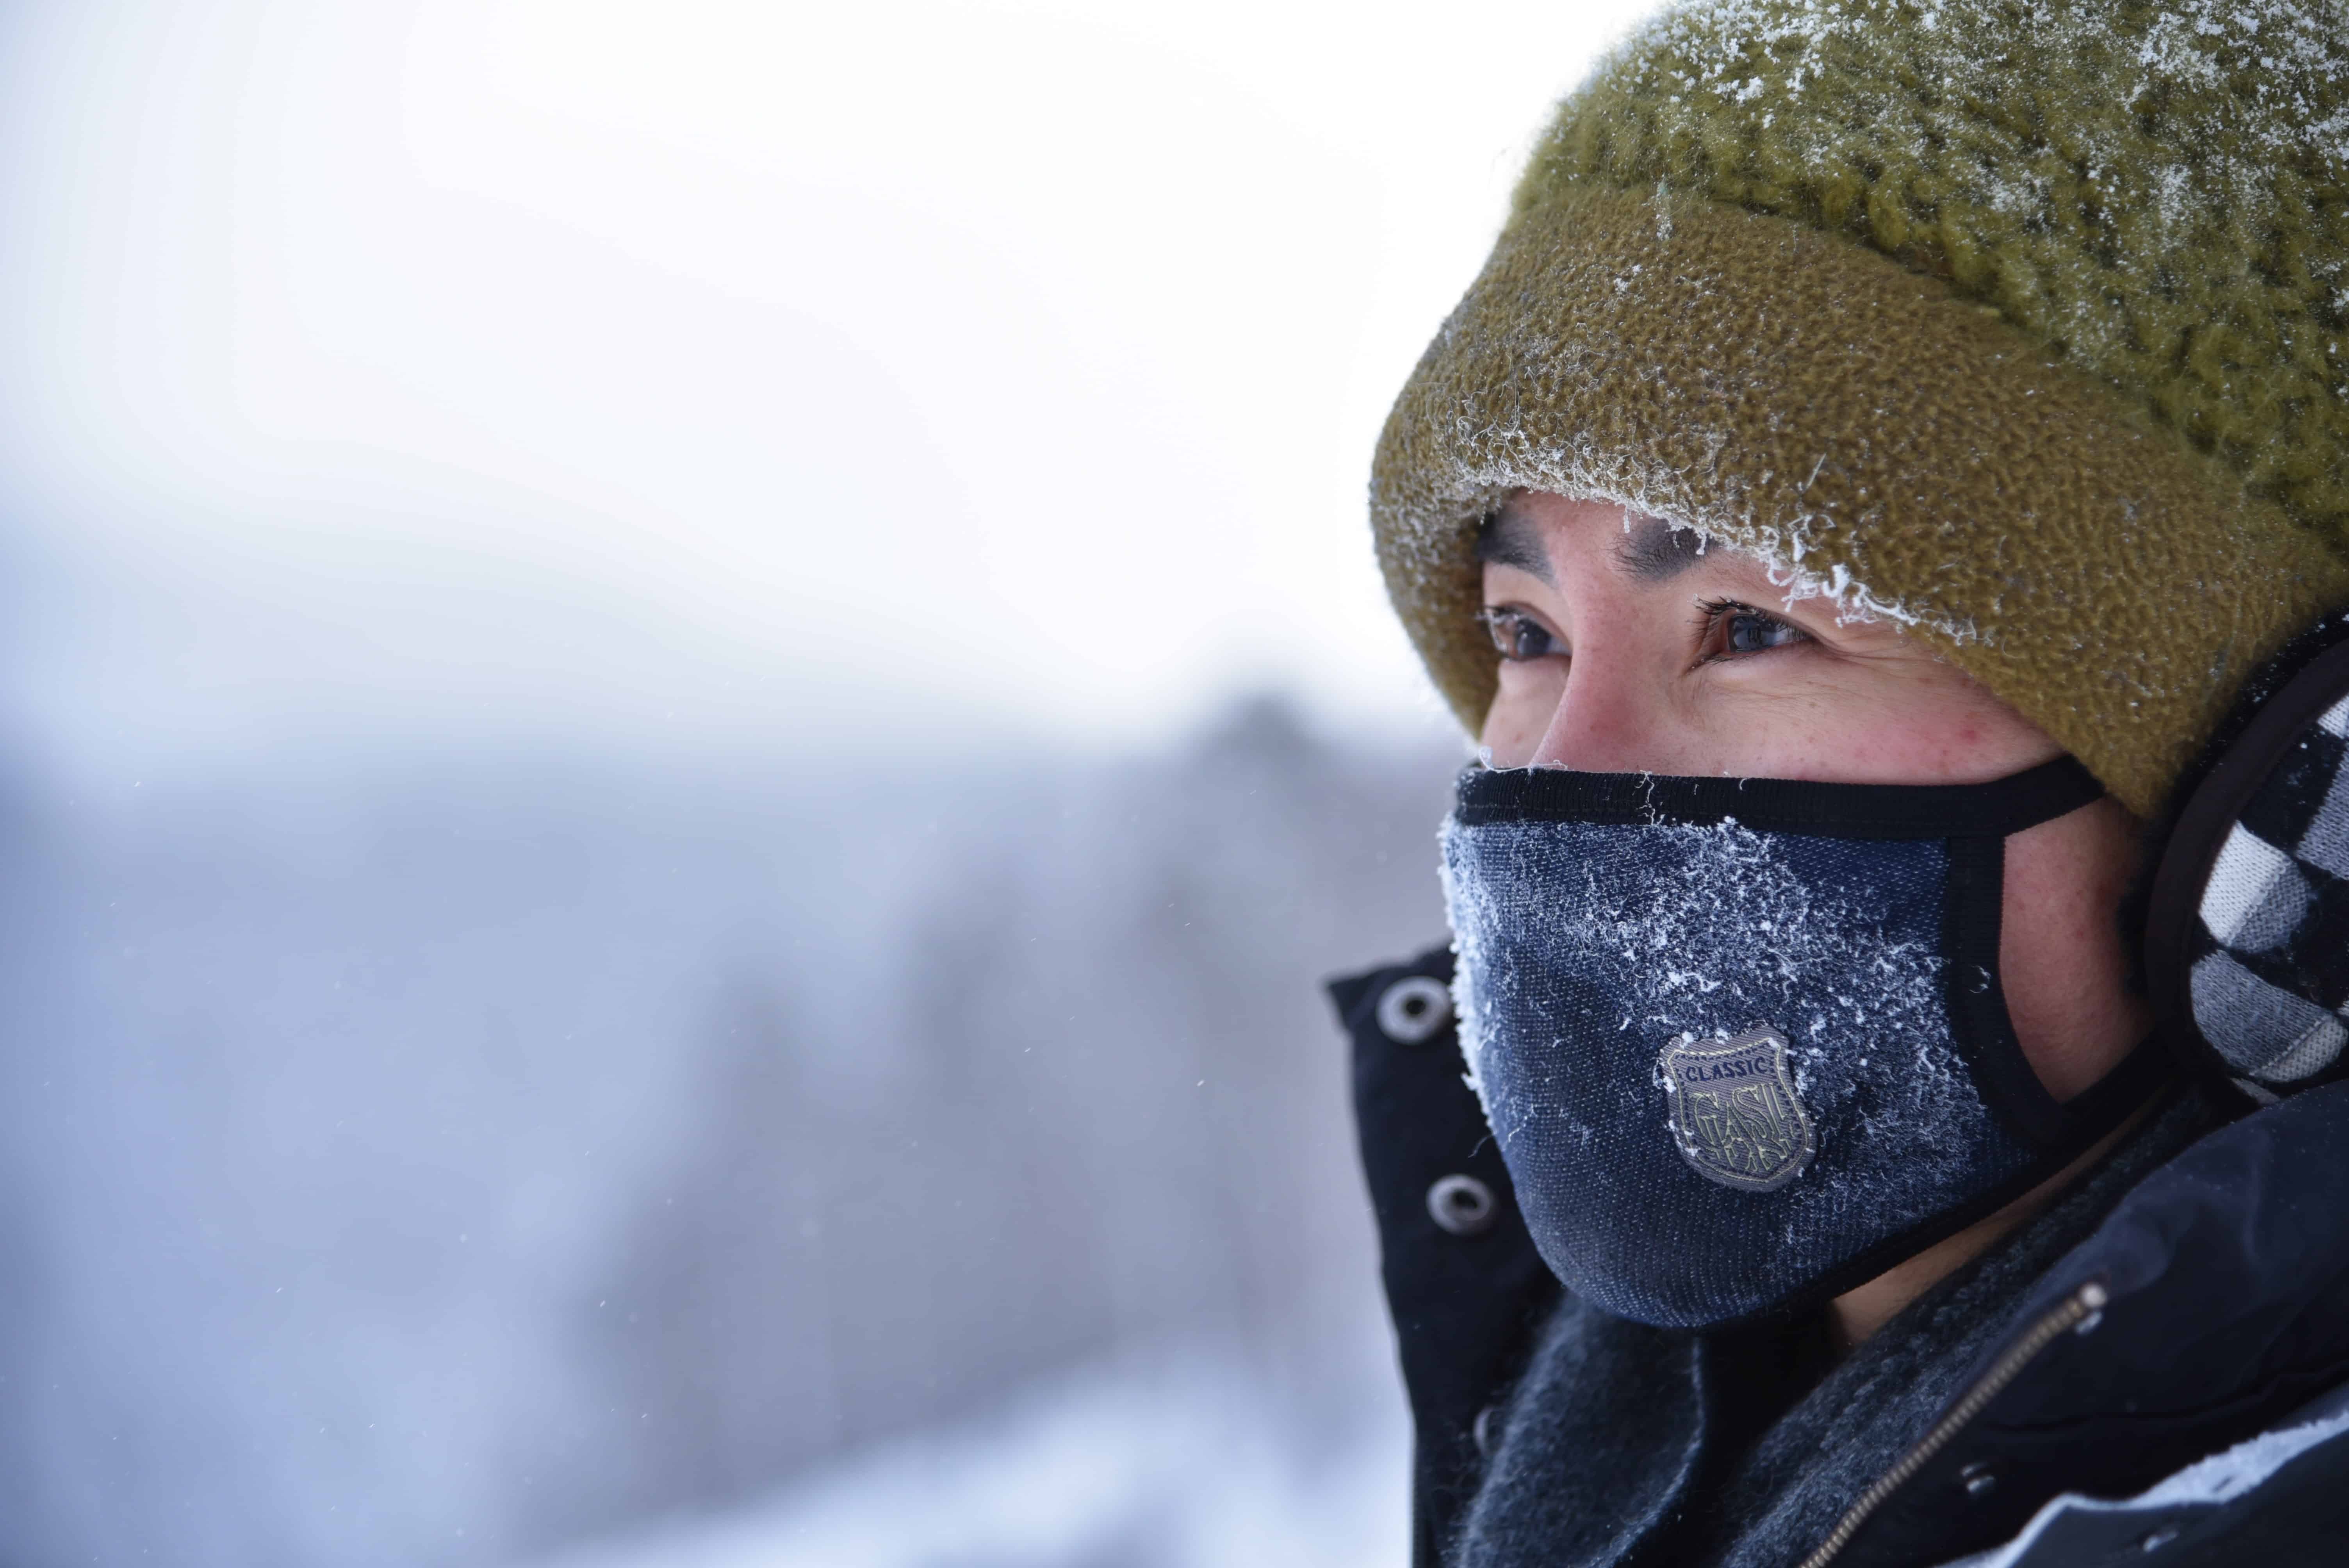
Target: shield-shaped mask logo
x,y
1736,1116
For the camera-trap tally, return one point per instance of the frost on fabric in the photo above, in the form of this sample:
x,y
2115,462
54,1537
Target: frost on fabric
x,y
1788,552
2157,138
2220,1479
2224,1477
2152,208
1806,553
1703,932
1733,50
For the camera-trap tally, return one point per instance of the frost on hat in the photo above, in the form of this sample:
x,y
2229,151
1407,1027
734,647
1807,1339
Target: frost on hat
x,y
2024,326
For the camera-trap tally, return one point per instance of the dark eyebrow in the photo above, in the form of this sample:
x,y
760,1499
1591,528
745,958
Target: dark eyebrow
x,y
1507,537
1653,550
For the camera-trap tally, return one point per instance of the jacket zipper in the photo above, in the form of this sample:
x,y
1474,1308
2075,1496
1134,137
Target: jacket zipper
x,y
2074,1311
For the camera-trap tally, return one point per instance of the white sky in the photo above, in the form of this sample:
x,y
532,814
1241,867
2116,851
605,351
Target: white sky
x,y
738,364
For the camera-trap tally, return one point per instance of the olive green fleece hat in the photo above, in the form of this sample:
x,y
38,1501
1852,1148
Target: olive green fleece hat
x,y
2024,325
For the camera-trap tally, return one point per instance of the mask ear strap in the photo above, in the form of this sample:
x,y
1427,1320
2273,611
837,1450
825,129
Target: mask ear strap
x,y
2243,956
1972,919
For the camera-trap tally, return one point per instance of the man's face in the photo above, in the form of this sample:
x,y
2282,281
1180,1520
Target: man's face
x,y
1628,647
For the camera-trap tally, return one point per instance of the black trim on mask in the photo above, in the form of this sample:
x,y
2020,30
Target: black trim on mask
x,y
1973,909
1973,915
1991,810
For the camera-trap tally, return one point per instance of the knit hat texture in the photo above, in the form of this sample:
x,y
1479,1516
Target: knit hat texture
x,y
2025,325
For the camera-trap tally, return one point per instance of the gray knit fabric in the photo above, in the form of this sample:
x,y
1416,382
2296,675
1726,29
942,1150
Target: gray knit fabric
x,y
2270,973
1613,1451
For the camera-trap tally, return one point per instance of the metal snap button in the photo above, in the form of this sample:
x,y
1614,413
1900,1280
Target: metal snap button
x,y
1462,1205
1486,1430
1980,1479
1413,1008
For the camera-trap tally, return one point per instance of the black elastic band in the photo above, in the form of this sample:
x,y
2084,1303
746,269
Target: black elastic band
x,y
1995,809
1973,921
2114,1098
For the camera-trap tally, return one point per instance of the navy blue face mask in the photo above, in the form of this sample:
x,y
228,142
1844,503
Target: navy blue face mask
x,y
1742,1041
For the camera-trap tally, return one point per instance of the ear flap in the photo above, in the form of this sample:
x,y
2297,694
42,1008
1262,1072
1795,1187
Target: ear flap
x,y
2247,931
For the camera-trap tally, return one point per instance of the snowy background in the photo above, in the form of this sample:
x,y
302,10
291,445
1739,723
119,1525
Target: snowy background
x,y
689,694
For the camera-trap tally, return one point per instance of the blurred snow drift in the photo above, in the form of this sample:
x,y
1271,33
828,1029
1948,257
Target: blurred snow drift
x,y
440,1159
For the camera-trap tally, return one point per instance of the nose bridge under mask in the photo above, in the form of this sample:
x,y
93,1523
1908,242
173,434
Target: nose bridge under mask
x,y
1744,1042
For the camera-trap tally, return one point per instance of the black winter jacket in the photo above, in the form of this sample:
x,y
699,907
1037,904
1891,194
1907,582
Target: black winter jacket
x,y
2155,1370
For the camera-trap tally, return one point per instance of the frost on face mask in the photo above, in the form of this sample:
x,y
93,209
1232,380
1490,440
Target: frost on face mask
x,y
1701,933
1737,1038
1584,948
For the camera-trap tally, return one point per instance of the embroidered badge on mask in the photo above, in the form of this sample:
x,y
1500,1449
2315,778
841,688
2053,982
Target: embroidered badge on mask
x,y
1736,1116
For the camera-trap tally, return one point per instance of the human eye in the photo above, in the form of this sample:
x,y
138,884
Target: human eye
x,y
1732,630
1518,636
